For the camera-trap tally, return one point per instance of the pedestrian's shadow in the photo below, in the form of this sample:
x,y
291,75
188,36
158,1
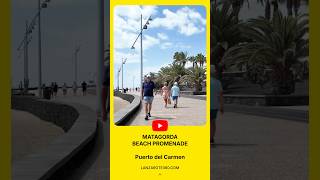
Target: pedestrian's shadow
x,y
183,107
232,145
158,117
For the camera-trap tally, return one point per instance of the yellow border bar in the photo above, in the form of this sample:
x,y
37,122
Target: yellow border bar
x,y
5,80
314,89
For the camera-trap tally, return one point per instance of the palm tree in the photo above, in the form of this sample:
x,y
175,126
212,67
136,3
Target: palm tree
x,y
225,32
277,44
192,60
171,73
194,76
180,58
201,59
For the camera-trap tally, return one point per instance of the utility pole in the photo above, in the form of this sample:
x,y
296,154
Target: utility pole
x,y
26,61
39,50
76,64
123,62
133,82
141,48
100,67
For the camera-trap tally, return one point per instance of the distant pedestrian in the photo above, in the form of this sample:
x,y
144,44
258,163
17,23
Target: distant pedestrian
x,y
165,94
216,100
175,93
20,87
84,88
74,88
43,88
64,89
55,89
147,94
51,89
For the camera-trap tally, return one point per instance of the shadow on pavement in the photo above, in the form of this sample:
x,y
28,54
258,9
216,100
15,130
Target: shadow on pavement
x,y
232,145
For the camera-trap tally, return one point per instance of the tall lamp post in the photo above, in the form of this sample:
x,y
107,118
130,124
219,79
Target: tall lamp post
x,y
40,6
123,62
142,27
118,88
26,41
76,64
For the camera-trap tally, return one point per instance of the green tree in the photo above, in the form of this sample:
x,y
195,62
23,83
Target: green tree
x,y
224,32
278,44
171,73
180,58
201,59
194,76
192,60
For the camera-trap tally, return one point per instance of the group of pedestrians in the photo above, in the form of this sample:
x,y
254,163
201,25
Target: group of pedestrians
x,y
216,98
84,87
148,95
51,91
166,93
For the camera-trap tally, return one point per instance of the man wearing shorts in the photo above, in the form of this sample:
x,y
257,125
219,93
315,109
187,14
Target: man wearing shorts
x,y
175,93
147,94
216,101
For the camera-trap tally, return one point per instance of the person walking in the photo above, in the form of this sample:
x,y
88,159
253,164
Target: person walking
x,y
84,88
51,89
175,93
64,89
55,89
216,100
165,94
147,94
43,89
74,88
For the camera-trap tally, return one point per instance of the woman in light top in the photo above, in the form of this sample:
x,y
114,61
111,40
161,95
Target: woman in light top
x,y
175,93
165,94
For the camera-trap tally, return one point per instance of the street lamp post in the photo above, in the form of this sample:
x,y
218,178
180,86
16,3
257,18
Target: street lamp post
x,y
142,27
26,62
133,83
25,41
39,49
123,62
76,64
118,78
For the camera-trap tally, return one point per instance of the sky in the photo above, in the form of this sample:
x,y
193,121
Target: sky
x,y
172,29
65,25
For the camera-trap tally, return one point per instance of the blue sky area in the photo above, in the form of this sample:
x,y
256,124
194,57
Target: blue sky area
x,y
173,28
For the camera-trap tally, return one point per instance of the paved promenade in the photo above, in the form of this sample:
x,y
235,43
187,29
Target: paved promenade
x,y
31,134
259,148
119,104
190,112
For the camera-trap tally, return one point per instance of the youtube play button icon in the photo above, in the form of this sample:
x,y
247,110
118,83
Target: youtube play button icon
x,y
160,125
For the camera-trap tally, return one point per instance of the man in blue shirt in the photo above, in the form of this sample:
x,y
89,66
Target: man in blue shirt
x,y
147,94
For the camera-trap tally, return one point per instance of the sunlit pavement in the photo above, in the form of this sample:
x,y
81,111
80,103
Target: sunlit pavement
x,y
259,148
190,112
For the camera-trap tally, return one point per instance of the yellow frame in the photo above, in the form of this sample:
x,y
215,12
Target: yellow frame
x,y
121,136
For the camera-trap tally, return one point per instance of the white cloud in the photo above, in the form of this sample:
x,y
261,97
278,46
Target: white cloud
x,y
166,45
186,20
162,36
127,26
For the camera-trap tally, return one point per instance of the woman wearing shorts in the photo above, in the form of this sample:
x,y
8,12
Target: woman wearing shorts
x,y
165,94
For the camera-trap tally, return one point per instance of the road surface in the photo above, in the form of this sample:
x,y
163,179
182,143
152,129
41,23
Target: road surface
x,y
258,147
